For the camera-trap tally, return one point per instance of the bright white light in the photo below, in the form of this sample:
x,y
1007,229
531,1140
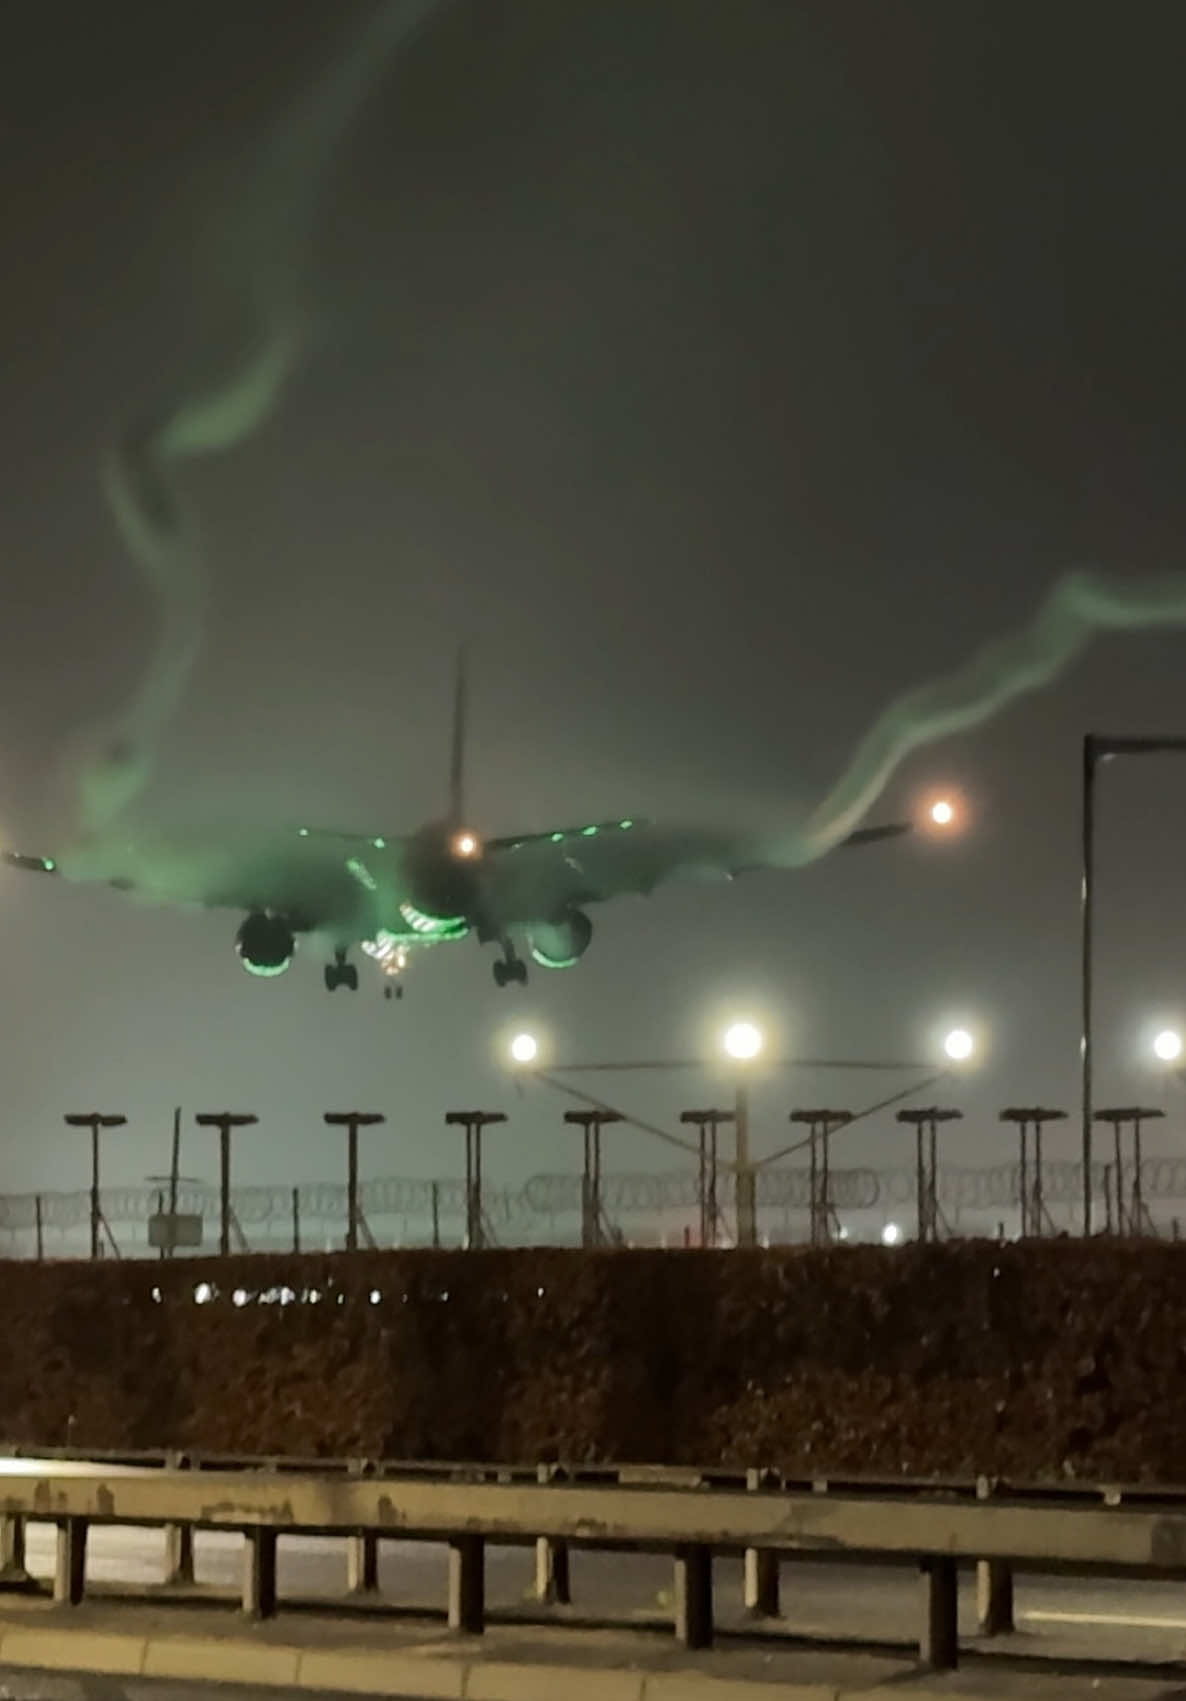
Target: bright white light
x,y
942,813
843,1232
891,1234
466,844
203,1293
959,1045
239,1297
1168,1045
376,1296
743,1041
524,1048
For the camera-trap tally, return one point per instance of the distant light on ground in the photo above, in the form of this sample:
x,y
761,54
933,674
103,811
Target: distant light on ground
x,y
942,813
524,1048
891,1234
1168,1045
958,1045
743,1040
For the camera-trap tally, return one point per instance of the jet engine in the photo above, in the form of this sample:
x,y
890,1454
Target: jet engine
x,y
265,944
560,944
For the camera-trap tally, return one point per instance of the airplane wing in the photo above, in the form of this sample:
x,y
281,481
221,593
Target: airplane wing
x,y
537,876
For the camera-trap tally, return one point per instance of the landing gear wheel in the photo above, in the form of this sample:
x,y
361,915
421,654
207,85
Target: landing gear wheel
x,y
510,971
340,973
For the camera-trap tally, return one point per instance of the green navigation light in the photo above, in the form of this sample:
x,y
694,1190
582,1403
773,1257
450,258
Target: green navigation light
x,y
48,863
588,832
625,826
557,838
362,873
302,832
379,844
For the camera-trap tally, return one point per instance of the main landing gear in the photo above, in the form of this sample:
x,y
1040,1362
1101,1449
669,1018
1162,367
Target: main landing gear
x,y
340,973
510,969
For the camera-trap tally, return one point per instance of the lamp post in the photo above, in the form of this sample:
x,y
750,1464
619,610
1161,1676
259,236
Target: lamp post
x,y
1097,748
743,1043
94,1120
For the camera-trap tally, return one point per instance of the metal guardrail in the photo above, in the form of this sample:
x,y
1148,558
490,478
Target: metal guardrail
x,y
692,1515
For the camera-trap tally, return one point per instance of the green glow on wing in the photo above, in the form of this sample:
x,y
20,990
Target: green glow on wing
x,y
557,838
588,832
625,825
48,863
546,962
265,972
362,873
379,844
434,926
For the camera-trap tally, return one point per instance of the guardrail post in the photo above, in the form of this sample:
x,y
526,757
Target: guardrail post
x,y
362,1563
179,1538
938,1643
693,1596
259,1572
761,1564
70,1561
994,1583
12,1548
467,1585
552,1583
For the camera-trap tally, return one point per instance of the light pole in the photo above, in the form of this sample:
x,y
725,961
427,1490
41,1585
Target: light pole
x,y
743,1043
1097,748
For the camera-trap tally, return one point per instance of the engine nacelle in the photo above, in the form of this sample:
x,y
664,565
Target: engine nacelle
x,y
560,944
265,944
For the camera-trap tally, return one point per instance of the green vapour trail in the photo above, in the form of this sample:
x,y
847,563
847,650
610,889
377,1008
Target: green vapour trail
x,y
1078,607
265,253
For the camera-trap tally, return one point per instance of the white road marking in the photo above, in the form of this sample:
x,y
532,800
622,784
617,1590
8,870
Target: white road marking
x,y
1124,1620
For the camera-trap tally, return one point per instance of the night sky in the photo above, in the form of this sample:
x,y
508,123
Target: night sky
x,y
718,368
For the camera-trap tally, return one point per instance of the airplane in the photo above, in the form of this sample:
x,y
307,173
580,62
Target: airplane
x,y
393,896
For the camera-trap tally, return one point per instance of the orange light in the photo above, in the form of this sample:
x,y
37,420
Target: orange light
x,y
466,845
942,812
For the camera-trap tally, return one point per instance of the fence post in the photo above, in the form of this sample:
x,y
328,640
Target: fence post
x,y
994,1583
761,1564
70,1561
552,1583
467,1585
693,1596
259,1572
938,1643
362,1550
12,1548
179,1538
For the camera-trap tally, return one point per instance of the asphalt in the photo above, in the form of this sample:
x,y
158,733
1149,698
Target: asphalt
x,y
613,1644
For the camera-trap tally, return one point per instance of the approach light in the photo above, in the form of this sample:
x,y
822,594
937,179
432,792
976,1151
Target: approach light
x,y
466,845
959,1045
891,1234
524,1048
743,1041
1168,1045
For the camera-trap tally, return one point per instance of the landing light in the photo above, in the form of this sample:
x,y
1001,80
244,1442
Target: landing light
x,y
466,844
524,1048
942,813
1168,1046
743,1041
959,1045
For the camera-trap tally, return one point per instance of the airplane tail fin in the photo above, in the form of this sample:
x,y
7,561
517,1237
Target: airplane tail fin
x,y
457,756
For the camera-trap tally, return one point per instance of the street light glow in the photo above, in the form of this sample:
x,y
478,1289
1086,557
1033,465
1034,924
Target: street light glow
x,y
891,1234
524,1048
743,1041
959,1045
1168,1045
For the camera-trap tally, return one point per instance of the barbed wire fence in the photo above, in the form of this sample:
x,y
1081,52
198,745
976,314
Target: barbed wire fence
x,y
545,1207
